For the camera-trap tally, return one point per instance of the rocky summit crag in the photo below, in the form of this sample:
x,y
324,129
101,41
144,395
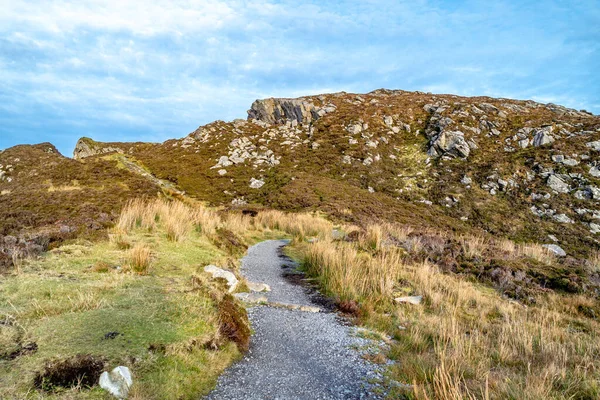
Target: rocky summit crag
x,y
516,169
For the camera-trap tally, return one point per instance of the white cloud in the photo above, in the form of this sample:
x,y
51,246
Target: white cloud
x,y
171,65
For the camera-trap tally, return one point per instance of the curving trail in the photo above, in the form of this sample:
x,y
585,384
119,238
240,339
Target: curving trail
x,y
294,354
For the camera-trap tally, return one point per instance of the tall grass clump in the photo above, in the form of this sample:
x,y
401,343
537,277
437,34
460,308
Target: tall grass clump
x,y
140,257
300,225
351,274
473,246
176,218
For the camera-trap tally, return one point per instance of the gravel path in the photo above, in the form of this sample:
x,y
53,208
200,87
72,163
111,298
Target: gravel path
x,y
294,354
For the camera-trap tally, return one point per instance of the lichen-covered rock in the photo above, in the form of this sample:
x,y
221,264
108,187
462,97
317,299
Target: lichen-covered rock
x,y
594,145
451,143
543,136
558,184
279,111
87,147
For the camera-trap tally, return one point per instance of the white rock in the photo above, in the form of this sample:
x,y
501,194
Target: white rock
x,y
256,183
556,249
117,382
222,172
594,145
558,184
595,172
562,218
543,137
409,299
224,161
594,228
217,272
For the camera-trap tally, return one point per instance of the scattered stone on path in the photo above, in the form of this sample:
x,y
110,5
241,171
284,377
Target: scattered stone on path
x,y
416,300
251,298
217,272
556,249
258,287
117,382
296,307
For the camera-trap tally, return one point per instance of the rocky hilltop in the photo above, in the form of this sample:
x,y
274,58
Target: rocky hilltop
x,y
474,159
510,168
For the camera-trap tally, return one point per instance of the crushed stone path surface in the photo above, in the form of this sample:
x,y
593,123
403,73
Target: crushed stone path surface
x,y
295,354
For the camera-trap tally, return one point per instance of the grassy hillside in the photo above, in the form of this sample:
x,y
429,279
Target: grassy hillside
x,y
139,299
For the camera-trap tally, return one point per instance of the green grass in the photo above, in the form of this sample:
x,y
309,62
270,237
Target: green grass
x,y
66,307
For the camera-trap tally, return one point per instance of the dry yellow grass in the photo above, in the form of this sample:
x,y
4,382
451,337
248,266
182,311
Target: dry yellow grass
x,y
140,257
176,218
299,225
473,246
464,341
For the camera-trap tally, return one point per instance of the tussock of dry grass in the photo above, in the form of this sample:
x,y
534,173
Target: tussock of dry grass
x,y
299,225
353,275
176,218
140,258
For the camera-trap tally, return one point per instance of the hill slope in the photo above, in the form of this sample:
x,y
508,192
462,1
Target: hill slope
x,y
388,154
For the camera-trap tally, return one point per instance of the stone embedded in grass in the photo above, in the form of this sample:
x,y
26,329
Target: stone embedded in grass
x,y
594,145
217,272
416,300
556,249
256,183
543,136
117,382
558,184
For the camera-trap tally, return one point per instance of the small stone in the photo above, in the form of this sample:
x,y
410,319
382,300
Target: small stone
x,y
543,137
117,382
256,183
409,299
217,272
594,145
558,184
562,218
556,249
222,172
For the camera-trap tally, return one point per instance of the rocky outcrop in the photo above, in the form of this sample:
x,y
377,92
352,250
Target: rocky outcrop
x,y
451,143
87,147
280,111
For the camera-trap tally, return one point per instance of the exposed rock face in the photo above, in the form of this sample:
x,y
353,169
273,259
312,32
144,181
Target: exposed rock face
x,y
450,143
543,137
87,147
279,111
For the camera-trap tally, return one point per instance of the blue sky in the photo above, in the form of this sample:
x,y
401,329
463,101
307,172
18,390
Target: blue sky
x,y
135,70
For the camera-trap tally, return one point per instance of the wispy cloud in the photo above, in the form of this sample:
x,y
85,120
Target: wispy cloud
x,y
137,70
